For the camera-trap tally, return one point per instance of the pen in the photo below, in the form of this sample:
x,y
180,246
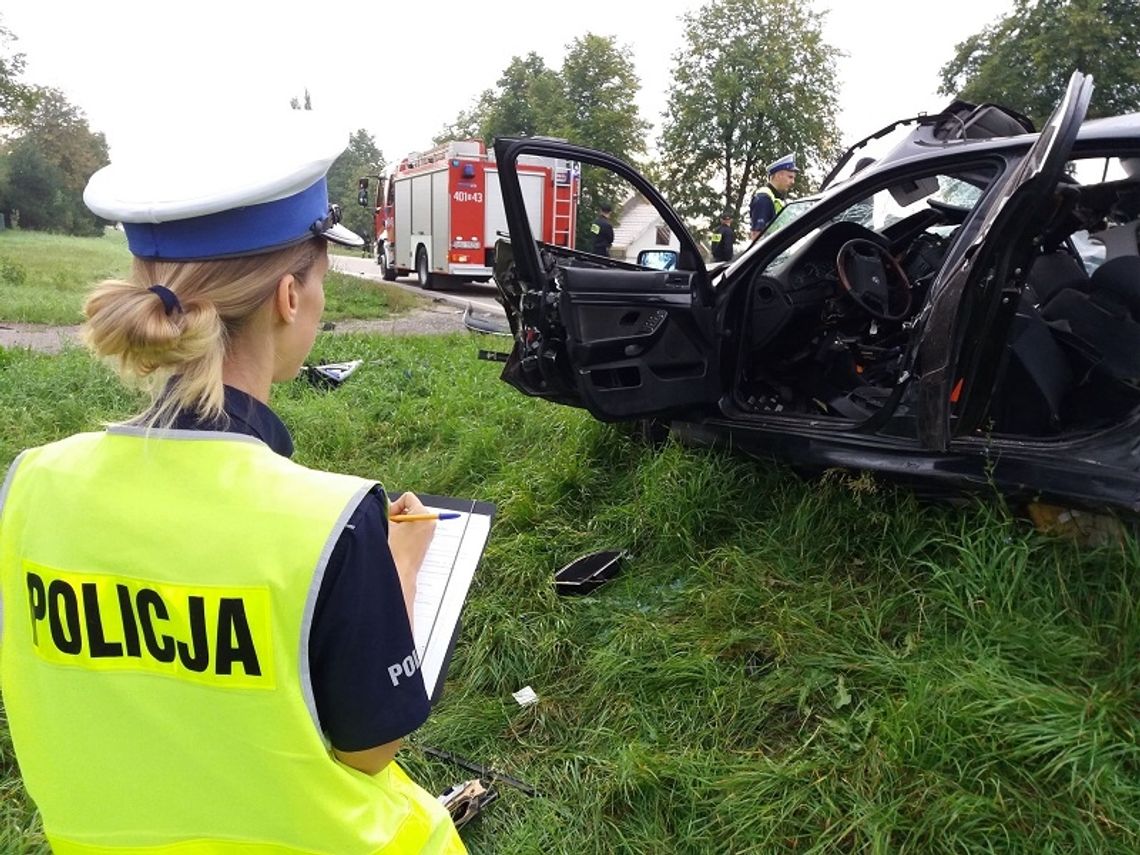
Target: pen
x,y
440,515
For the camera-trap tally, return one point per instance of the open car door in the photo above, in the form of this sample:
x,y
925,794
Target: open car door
x,y
975,297
620,339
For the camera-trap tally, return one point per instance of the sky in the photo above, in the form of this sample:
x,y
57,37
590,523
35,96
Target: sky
x,y
404,71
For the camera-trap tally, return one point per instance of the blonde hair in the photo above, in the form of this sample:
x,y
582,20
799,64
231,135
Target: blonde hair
x,y
177,357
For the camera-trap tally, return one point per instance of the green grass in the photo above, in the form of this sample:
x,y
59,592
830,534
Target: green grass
x,y
355,297
348,251
782,666
44,279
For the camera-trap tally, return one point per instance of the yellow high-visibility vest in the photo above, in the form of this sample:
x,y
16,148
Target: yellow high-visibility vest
x,y
777,202
158,590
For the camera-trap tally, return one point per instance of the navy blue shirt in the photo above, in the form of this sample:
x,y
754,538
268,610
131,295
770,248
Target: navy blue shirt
x,y
360,624
762,210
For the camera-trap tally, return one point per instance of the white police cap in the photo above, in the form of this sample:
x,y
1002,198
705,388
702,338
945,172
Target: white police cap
x,y
210,188
787,162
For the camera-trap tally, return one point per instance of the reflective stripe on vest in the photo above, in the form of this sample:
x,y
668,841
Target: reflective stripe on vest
x,y
155,662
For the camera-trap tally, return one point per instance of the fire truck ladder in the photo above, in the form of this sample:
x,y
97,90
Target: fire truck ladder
x,y
564,186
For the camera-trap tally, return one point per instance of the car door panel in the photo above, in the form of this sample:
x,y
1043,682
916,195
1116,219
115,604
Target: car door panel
x,y
622,341
635,354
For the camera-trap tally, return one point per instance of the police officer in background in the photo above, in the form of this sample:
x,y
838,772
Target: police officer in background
x,y
768,203
602,231
723,238
206,646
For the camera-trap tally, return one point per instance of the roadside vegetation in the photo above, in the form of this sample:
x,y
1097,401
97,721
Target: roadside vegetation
x,y
44,279
782,665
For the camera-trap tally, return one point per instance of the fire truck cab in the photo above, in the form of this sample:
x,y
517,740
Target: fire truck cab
x,y
441,211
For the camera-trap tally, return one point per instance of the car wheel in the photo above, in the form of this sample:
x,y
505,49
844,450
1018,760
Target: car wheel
x,y
423,273
387,271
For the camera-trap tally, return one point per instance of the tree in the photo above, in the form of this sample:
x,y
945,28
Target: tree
x,y
601,112
34,187
296,103
754,81
361,158
1025,59
469,123
16,97
590,101
601,91
530,101
50,163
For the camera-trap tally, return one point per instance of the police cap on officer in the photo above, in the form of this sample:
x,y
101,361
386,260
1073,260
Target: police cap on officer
x,y
226,194
785,163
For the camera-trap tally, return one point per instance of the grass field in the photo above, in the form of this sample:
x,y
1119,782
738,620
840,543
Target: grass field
x,y
782,666
45,278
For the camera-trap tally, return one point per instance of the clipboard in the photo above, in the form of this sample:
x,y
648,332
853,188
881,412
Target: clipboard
x,y
444,581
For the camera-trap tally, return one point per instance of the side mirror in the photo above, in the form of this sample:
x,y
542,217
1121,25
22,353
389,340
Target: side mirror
x,y
658,259
362,192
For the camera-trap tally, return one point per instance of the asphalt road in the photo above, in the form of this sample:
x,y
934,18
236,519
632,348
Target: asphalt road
x,y
480,296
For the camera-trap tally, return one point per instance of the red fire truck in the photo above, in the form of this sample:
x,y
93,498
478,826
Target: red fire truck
x,y
441,211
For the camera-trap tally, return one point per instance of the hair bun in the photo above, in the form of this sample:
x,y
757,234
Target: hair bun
x,y
147,329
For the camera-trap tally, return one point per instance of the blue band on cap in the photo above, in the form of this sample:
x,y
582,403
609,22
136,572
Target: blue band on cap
x,y
240,231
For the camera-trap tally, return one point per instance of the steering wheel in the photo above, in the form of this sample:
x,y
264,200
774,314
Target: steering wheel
x,y
869,274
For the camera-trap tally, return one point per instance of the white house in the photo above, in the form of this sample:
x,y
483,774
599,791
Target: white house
x,y
639,227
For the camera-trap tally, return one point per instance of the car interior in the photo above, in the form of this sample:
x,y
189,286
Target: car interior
x,y
829,319
1074,350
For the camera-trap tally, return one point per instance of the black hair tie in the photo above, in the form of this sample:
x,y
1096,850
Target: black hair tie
x,y
168,297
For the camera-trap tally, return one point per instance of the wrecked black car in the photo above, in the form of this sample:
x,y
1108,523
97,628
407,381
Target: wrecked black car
x,y
962,313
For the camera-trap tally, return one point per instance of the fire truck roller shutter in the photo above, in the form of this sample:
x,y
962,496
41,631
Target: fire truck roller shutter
x,y
419,247
404,252
532,186
440,224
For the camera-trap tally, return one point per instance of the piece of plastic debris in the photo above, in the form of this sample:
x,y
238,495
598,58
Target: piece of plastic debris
x,y
584,574
332,374
1086,528
525,696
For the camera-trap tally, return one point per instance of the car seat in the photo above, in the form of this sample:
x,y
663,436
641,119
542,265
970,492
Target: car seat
x,y
1052,273
1074,347
1106,316
1037,378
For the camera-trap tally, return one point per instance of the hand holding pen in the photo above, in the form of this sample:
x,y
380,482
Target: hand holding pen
x,y
408,508
409,543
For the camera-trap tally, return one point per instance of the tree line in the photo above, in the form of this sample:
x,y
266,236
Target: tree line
x,y
47,153
755,79
739,96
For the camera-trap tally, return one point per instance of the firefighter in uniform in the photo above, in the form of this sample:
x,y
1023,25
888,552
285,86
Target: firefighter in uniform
x,y
602,231
207,647
768,203
723,238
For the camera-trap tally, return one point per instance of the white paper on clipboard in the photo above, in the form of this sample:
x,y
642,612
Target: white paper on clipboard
x,y
444,581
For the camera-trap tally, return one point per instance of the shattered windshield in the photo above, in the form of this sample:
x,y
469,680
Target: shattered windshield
x,y
791,212
886,207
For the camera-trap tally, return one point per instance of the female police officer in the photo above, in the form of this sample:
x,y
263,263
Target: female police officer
x,y
198,632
